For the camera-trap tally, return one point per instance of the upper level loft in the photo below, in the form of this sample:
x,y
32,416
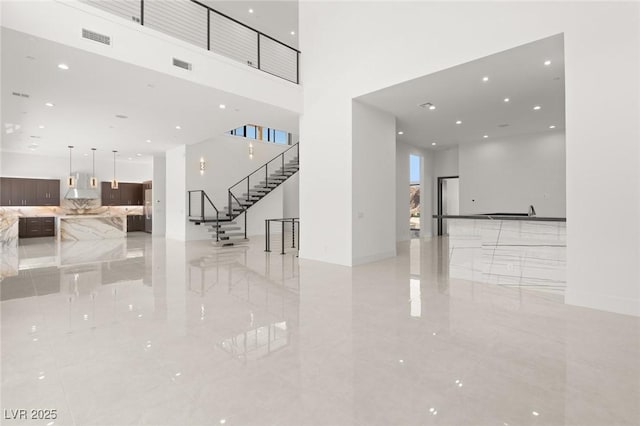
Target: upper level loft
x,y
200,25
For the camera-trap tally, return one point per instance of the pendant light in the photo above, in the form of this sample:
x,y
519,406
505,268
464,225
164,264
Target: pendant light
x,y
93,182
114,182
71,180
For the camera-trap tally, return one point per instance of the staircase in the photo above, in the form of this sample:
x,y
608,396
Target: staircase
x,y
226,225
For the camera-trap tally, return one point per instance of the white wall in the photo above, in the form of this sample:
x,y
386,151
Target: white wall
x,y
176,193
347,53
291,197
402,191
227,162
142,46
445,162
374,186
159,196
508,175
47,167
427,188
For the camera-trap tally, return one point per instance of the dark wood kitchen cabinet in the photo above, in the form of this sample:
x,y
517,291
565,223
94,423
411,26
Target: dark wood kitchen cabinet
x,y
29,192
110,197
29,227
48,192
127,194
131,194
135,223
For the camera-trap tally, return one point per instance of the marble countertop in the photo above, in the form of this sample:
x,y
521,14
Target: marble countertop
x,y
499,217
88,216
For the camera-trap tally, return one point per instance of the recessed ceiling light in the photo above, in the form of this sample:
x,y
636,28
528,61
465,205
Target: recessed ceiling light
x,y
250,10
485,136
432,107
41,127
148,140
547,62
130,158
459,122
293,33
86,155
507,99
401,133
433,144
222,106
63,66
485,79
138,155
178,127
552,127
537,107
49,104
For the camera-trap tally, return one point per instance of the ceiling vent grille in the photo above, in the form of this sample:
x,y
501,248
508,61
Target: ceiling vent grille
x,y
182,64
22,95
100,38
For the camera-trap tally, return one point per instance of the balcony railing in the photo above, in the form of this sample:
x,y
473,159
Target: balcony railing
x,y
202,26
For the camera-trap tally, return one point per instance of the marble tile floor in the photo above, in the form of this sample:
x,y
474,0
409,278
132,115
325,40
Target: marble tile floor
x,y
188,334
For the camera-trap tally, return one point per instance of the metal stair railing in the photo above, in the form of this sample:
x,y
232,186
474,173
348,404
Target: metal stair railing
x,y
203,197
281,162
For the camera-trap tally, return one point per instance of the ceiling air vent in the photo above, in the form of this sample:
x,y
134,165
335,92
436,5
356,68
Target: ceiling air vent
x,y
181,64
22,95
100,38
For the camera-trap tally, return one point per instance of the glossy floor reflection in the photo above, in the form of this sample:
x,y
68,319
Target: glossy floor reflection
x,y
166,333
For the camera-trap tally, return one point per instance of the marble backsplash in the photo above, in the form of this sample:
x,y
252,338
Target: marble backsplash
x,y
68,207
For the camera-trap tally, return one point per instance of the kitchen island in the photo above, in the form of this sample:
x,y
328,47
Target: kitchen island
x,y
8,244
519,251
91,227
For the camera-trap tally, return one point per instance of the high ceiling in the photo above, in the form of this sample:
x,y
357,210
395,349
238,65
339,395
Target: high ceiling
x,y
461,94
274,18
89,95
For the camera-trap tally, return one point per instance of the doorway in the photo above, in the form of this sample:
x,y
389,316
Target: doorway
x,y
448,200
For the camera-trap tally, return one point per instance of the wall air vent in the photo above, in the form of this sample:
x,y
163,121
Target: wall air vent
x,y
181,64
100,38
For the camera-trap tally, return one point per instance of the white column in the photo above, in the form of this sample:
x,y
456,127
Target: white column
x,y
176,194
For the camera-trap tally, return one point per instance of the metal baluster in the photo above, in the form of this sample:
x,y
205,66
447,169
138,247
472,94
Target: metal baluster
x,y
202,204
282,222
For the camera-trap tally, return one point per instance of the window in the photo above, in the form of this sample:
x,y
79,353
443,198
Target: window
x,y
265,134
